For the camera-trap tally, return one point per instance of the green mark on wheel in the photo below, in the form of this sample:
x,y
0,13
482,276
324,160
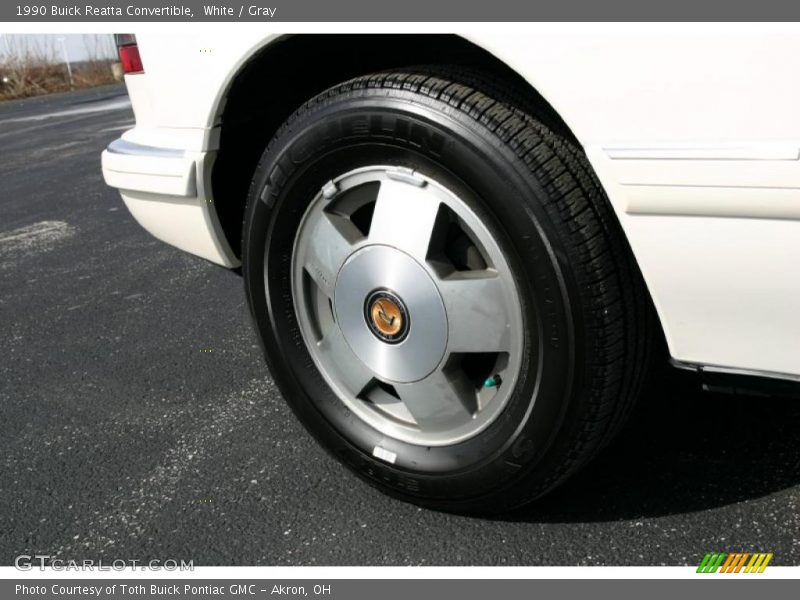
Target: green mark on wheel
x,y
492,381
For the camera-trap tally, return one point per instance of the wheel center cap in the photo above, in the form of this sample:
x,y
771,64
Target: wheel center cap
x,y
387,316
390,313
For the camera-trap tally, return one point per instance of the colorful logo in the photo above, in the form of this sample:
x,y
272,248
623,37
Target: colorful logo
x,y
735,563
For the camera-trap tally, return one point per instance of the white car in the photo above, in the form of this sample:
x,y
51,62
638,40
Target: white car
x,y
461,251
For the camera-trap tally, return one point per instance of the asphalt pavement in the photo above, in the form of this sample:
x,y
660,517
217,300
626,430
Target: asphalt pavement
x,y
139,421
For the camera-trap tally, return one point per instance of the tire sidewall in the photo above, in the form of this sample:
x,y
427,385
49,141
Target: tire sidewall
x,y
406,129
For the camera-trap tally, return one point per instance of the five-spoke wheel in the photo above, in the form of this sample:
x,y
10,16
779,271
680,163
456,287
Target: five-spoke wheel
x,y
441,289
407,305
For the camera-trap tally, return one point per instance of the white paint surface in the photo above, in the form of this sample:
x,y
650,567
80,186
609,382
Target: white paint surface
x,y
693,130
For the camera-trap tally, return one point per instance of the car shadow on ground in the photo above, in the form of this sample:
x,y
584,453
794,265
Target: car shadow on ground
x,y
683,450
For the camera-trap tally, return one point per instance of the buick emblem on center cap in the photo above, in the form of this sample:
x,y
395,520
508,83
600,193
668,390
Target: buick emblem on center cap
x,y
386,316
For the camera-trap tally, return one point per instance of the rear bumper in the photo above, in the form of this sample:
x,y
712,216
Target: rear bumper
x,y
168,192
131,166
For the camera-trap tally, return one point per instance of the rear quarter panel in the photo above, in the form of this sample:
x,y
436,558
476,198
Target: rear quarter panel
x,y
692,129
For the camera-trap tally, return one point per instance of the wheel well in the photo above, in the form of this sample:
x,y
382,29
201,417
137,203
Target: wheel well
x,y
277,80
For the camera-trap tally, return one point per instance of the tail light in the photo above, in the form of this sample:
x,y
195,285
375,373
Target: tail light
x,y
129,53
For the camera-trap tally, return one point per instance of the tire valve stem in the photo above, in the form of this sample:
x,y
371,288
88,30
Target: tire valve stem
x,y
493,381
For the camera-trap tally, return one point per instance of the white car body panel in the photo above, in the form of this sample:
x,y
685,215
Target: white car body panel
x,y
693,130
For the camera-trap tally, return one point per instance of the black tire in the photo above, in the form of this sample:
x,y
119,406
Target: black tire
x,y
586,307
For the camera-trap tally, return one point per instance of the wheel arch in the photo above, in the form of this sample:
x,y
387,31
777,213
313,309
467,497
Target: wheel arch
x,y
248,110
